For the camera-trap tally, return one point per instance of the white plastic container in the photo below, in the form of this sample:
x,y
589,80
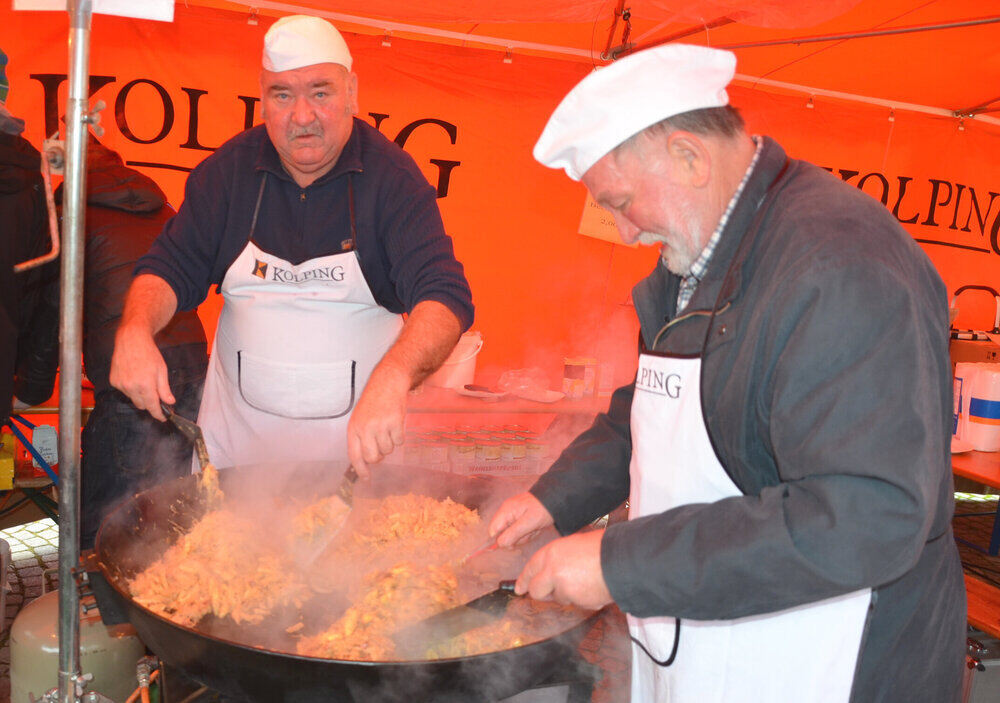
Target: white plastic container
x,y
977,391
460,367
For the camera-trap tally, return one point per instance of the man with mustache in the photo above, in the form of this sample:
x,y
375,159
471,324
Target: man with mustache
x,y
316,363
784,447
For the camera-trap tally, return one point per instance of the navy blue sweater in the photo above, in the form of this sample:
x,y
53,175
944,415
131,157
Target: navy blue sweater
x,y
406,257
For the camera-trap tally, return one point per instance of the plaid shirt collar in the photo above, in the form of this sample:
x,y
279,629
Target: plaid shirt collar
x,y
700,265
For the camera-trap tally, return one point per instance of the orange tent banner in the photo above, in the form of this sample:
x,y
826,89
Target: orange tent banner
x,y
174,92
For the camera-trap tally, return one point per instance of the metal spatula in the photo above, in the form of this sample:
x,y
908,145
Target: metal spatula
x,y
345,493
190,430
417,638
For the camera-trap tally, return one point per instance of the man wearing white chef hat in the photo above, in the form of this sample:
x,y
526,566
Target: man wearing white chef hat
x,y
784,446
320,233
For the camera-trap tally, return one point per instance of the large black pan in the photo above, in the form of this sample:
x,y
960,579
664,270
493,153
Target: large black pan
x,y
237,663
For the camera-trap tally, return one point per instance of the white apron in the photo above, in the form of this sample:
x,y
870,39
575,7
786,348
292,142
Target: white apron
x,y
801,655
294,347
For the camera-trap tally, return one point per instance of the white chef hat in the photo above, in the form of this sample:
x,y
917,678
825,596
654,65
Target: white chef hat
x,y
613,103
300,40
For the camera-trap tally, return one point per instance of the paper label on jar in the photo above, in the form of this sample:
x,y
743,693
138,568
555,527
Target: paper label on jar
x,y
46,442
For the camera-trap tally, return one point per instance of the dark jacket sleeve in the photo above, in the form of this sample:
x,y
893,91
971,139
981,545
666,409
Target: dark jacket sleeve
x,y
855,416
38,347
421,259
37,358
591,477
186,252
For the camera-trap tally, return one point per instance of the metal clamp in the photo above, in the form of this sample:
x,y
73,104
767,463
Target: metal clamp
x,y
80,683
93,118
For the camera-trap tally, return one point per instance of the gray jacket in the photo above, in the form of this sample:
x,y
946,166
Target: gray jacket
x,y
826,391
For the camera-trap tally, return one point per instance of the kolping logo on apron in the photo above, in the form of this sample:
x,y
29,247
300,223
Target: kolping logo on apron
x,y
659,382
260,268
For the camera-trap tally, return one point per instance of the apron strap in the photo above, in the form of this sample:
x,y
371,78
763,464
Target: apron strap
x,y
352,243
256,209
346,244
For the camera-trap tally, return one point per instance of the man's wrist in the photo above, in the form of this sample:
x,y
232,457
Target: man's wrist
x,y
392,376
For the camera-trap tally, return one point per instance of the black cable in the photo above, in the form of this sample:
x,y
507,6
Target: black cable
x,y
673,652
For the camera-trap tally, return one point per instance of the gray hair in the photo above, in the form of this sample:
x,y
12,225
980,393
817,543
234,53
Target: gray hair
x,y
724,121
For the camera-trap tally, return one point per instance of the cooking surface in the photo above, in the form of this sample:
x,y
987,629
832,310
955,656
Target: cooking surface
x,y
366,546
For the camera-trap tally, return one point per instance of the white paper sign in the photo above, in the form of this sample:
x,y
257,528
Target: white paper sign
x,y
162,10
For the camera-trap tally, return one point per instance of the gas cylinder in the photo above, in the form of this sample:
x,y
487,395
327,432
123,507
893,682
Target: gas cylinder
x,y
109,653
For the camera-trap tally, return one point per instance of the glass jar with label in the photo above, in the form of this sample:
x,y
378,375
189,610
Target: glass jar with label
x,y
461,452
435,453
487,450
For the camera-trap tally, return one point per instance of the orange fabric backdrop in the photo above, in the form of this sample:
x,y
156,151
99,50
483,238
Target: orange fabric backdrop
x,y
542,291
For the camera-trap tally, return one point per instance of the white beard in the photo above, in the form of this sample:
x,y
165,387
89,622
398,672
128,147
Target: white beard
x,y
678,252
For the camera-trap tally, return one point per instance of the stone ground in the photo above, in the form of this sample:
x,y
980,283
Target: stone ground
x,y
34,552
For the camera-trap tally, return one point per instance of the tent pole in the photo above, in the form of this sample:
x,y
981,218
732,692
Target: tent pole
x,y
618,52
70,334
872,33
980,108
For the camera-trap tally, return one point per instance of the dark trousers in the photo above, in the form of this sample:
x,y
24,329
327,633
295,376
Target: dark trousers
x,y
126,450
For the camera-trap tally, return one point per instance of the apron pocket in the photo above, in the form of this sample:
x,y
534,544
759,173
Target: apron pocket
x,y
297,391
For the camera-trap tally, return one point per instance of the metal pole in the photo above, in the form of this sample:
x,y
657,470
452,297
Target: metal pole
x,y
624,50
862,35
71,333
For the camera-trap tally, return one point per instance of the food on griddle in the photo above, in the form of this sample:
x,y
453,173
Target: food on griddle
x,y
524,622
208,483
321,518
402,594
393,599
401,520
222,567
239,567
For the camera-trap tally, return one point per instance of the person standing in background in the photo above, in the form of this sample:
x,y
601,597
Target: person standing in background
x,y
29,300
125,450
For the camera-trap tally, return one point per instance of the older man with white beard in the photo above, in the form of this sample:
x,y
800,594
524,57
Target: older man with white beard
x,y
320,233
784,446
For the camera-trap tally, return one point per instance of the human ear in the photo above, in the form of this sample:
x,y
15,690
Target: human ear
x,y
352,83
691,158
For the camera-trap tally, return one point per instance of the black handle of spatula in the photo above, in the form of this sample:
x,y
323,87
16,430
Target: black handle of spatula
x,y
190,430
346,488
508,585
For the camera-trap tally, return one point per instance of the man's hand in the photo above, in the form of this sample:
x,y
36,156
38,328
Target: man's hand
x,y
139,371
137,367
567,571
519,520
376,425
19,404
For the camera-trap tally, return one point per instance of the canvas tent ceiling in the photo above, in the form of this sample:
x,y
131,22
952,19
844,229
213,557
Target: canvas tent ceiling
x,y
949,69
